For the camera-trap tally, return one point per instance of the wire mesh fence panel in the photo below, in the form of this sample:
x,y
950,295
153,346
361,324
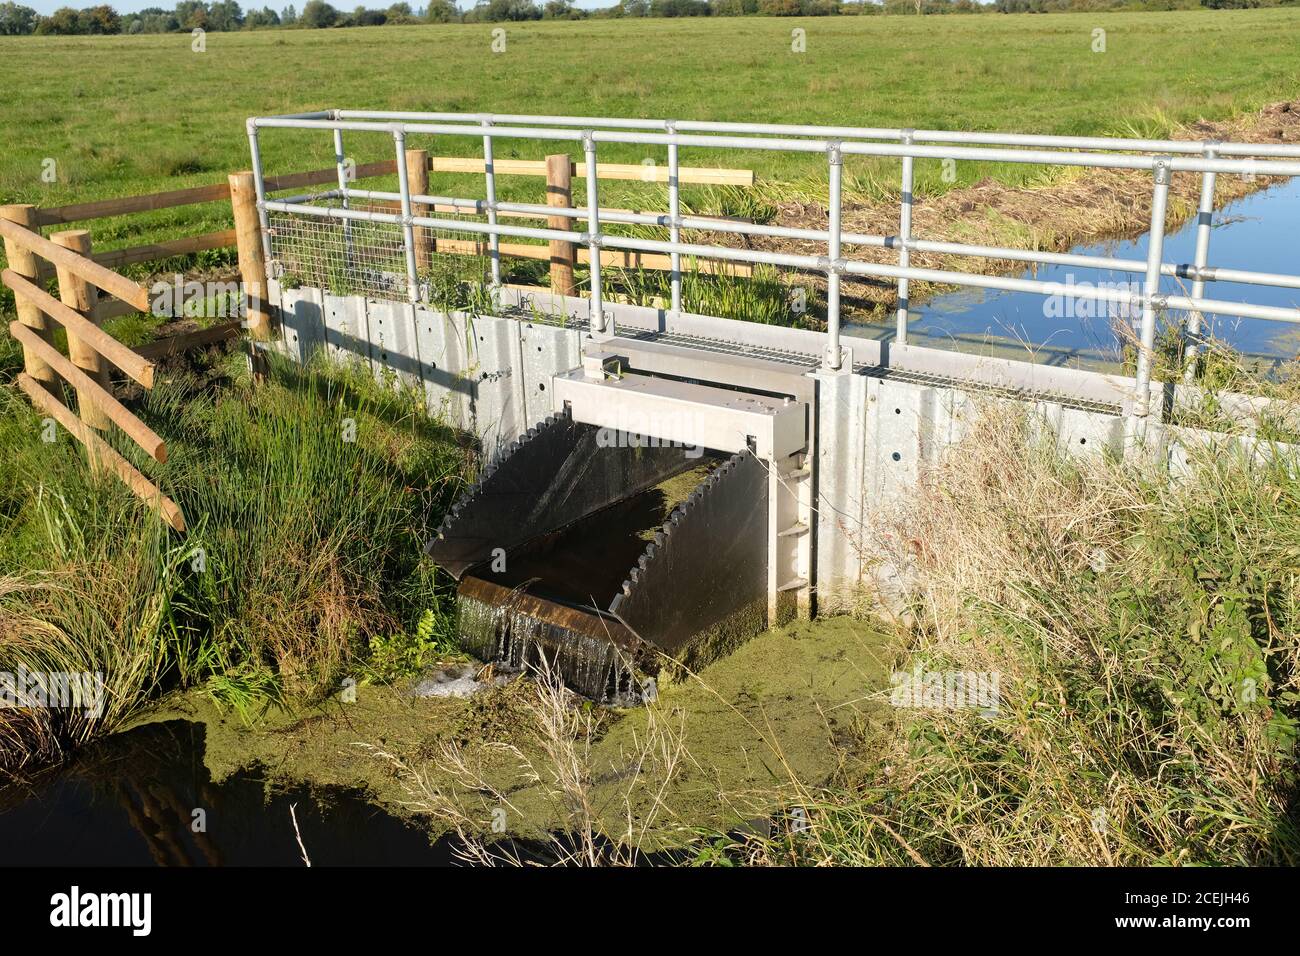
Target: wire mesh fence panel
x,y
345,258
359,257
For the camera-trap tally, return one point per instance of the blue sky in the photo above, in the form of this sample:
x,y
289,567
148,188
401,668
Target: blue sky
x,y
129,6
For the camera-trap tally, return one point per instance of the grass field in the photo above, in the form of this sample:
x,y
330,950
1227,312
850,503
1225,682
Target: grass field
x,y
1129,618
124,115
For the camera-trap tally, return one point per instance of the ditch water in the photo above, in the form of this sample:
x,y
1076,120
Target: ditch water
x,y
145,798
1260,232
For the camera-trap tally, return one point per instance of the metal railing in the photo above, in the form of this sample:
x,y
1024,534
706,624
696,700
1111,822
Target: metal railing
x,y
1160,158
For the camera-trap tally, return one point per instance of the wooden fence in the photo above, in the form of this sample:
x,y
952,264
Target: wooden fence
x,y
91,350
220,192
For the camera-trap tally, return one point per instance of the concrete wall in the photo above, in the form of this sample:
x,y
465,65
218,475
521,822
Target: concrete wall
x,y
484,374
878,427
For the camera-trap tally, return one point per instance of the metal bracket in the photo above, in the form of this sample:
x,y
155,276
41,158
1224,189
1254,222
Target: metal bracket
x,y
1162,171
834,155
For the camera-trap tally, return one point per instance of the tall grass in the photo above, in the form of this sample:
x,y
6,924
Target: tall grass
x,y
1147,639
87,581
308,498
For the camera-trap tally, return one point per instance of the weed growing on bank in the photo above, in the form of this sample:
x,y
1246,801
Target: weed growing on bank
x,y
308,499
1145,635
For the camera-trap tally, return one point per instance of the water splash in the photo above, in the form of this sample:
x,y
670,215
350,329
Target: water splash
x,y
512,632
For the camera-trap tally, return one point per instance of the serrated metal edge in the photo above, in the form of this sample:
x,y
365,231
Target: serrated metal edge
x,y
476,489
673,521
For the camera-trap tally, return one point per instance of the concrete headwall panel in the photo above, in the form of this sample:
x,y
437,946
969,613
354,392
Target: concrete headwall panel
x,y
477,372
547,351
496,375
876,435
877,439
347,331
842,401
442,342
302,325
394,354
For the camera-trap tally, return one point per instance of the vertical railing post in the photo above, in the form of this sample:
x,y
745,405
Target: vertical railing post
x,y
598,325
76,293
408,230
1201,258
417,174
675,215
25,263
832,357
344,178
905,237
249,241
489,172
559,193
1150,296
259,192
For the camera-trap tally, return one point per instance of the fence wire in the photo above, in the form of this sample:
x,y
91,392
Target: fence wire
x,y
369,258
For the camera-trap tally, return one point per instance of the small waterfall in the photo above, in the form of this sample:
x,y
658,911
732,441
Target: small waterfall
x,y
529,634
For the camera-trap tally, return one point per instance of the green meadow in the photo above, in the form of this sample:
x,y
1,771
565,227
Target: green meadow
x,y
123,115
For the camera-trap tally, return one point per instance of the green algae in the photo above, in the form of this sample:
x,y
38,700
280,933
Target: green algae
x,y
779,716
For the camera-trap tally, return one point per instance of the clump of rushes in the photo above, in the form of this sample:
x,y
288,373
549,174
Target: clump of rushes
x,y
87,580
309,498
762,297
1146,639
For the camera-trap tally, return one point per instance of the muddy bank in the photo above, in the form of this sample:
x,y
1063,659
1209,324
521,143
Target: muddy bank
x,y
785,712
1076,206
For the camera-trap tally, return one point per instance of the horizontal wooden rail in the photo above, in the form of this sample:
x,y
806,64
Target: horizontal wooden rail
x,y
165,250
100,450
178,344
217,192
124,205
140,433
388,205
220,192
103,343
99,276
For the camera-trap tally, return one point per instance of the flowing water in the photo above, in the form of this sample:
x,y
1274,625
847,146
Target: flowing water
x,y
1260,232
548,605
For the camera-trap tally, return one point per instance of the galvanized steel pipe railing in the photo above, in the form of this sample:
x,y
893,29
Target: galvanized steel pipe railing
x,y
1164,157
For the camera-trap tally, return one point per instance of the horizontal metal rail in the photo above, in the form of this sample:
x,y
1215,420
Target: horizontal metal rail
x,y
808,263
842,132
740,227
1099,159
1159,158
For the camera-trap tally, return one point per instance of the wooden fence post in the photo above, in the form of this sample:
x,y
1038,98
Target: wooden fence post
x,y
76,293
559,192
252,261
26,264
417,176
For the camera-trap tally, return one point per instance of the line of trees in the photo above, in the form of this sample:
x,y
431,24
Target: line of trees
x,y
227,15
